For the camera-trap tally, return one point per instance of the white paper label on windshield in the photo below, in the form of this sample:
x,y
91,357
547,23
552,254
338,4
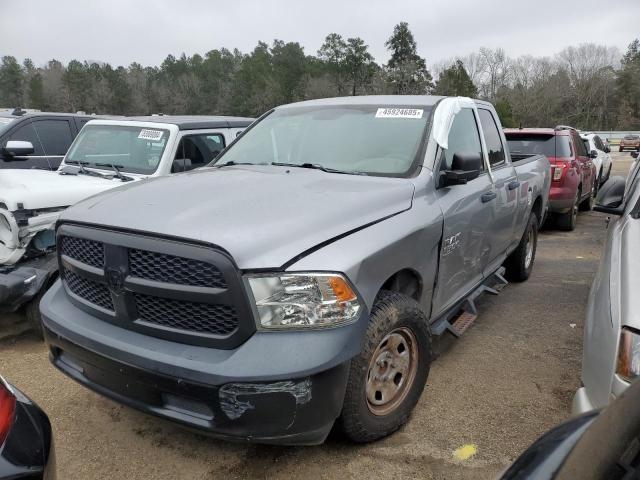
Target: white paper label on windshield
x,y
153,135
399,113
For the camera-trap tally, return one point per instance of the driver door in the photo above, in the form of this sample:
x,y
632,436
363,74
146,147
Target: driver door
x,y
468,216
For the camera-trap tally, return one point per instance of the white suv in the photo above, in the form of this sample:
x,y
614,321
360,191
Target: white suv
x,y
603,160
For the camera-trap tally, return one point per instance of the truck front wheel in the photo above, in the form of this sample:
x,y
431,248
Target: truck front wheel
x,y
387,378
520,262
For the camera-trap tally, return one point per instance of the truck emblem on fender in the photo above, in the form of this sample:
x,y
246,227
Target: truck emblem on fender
x,y
450,244
115,280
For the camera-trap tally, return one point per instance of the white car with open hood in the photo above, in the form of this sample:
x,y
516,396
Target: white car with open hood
x,y
105,155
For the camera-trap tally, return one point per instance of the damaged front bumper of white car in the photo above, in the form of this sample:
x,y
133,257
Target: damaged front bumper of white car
x,y
27,255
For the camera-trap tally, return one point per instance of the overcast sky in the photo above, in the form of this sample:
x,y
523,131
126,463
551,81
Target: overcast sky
x,y
123,31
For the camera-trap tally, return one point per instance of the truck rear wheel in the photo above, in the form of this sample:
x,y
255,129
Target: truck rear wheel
x,y
388,376
520,263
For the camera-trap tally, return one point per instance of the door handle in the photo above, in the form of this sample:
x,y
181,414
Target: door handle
x,y
513,185
487,197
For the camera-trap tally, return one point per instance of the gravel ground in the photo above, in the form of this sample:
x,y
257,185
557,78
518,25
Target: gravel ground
x,y
507,380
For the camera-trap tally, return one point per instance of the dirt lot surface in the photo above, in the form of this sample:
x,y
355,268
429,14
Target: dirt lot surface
x,y
506,381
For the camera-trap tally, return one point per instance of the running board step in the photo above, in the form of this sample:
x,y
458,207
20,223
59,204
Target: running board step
x,y
462,323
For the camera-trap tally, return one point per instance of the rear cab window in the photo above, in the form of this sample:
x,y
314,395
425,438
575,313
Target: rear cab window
x,y
492,138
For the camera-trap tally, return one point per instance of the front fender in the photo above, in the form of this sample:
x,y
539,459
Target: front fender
x,y
371,256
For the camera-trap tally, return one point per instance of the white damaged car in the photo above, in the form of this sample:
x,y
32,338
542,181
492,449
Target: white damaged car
x,y
105,155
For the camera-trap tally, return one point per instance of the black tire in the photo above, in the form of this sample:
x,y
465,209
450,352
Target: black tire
x,y
392,312
567,221
519,265
32,312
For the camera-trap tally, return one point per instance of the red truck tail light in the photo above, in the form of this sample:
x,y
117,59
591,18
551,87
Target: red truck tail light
x,y
7,410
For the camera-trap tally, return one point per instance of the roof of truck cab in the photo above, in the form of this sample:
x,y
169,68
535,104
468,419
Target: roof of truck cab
x,y
382,100
196,122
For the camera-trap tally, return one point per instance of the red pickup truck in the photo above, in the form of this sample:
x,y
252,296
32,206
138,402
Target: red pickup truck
x,y
573,181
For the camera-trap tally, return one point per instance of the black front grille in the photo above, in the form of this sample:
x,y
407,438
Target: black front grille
x,y
198,296
172,269
195,317
91,291
83,250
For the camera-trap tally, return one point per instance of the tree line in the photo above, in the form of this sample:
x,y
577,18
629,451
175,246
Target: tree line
x,y
589,86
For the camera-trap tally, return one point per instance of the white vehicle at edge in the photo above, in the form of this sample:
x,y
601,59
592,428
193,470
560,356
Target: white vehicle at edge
x,y
603,160
104,155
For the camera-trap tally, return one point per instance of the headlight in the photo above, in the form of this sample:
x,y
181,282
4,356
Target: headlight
x,y
304,300
629,355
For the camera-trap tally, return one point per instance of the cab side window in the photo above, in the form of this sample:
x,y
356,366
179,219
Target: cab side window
x,y
492,138
581,150
463,138
199,149
54,135
27,133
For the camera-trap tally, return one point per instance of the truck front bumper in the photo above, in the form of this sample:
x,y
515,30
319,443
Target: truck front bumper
x,y
277,387
22,282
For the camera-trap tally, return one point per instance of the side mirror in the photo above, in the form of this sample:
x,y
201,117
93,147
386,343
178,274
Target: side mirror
x,y
464,167
607,149
18,148
634,154
181,165
610,197
593,154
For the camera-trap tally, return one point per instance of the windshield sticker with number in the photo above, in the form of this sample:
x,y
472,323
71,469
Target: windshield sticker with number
x,y
153,135
399,113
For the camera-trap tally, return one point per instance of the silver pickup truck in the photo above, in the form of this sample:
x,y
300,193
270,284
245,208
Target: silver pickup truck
x,y
298,281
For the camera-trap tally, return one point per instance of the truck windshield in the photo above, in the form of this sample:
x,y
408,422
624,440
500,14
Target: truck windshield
x,y
351,139
522,145
130,149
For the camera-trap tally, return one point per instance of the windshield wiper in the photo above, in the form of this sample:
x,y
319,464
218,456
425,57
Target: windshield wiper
x,y
79,163
316,166
83,170
231,163
115,169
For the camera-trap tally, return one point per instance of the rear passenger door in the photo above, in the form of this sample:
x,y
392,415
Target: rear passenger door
x,y
467,218
506,185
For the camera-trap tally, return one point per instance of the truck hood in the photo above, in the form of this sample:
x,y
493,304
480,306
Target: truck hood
x,y
263,216
39,189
